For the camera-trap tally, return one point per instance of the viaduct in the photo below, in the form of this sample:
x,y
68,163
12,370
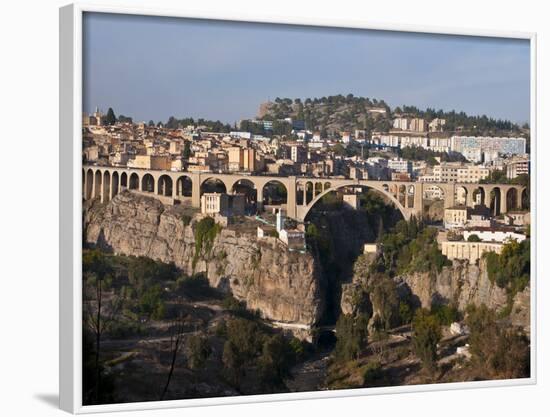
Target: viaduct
x,y
105,182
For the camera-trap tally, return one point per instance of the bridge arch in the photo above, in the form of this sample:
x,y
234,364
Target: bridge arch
x,y
184,186
106,192
512,199
148,183
115,178
213,185
247,188
524,198
97,183
406,214
478,196
164,185
461,195
133,184
124,180
496,200
274,192
89,184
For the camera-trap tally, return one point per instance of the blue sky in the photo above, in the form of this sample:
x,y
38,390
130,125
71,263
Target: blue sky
x,y
155,67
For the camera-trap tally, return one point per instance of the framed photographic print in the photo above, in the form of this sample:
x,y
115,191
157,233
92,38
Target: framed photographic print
x,y
266,210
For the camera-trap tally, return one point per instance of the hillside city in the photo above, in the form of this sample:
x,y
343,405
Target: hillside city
x,y
406,148
325,243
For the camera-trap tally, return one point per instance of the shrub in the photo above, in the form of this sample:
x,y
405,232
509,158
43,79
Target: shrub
x,y
205,233
426,336
445,314
373,374
198,351
498,351
351,336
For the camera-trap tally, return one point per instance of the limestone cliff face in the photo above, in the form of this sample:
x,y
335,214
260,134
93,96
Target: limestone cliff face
x,y
465,284
284,286
461,284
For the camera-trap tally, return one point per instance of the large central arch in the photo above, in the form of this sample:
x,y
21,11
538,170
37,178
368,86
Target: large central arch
x,y
304,210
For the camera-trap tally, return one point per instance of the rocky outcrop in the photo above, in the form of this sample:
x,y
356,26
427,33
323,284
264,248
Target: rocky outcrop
x,y
461,284
283,286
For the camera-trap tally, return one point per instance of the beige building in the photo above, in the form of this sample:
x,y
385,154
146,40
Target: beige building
x,y
436,125
222,204
471,251
159,162
294,239
458,172
351,201
455,217
372,248
516,166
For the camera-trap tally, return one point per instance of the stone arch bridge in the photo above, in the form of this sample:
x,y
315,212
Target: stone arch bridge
x,y
105,182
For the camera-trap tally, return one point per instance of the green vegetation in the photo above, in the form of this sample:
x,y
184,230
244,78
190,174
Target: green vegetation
x,y
445,314
426,336
498,351
151,303
474,238
250,345
332,114
374,375
124,119
110,118
511,269
186,149
186,219
384,296
213,126
416,153
352,336
198,351
411,247
205,232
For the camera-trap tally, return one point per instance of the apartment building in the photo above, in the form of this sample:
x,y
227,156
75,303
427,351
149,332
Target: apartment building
x,y
458,172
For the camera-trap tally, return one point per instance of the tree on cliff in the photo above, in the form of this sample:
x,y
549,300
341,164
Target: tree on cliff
x,y
352,336
498,351
426,336
243,344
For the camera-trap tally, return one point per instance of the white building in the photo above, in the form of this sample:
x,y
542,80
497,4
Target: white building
x,y
487,148
400,165
494,235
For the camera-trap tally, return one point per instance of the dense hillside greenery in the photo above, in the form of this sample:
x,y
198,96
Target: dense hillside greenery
x,y
511,269
411,247
332,114
211,125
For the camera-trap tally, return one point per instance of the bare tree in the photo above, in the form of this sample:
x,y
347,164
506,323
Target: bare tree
x,y
99,312
177,328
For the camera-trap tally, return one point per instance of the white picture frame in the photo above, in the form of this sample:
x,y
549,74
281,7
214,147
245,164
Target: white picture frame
x,y
70,289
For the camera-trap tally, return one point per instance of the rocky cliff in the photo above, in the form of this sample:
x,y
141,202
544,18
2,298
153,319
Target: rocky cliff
x,y
463,284
460,284
284,286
